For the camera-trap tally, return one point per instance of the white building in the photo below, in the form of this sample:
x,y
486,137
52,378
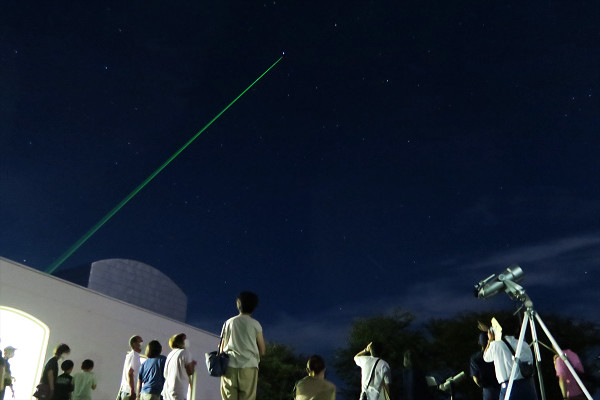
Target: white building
x,y
38,311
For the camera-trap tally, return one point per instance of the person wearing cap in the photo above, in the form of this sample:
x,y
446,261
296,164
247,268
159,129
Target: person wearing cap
x,y
9,353
131,368
483,373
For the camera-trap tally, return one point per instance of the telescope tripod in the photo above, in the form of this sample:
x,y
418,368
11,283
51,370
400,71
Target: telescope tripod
x,y
530,317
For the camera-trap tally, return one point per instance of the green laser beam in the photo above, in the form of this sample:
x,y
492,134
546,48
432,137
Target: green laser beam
x,y
112,212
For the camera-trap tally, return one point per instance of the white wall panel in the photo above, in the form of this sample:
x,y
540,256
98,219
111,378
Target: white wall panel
x,y
97,327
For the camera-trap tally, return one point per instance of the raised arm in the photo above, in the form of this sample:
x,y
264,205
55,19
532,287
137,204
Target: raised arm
x,y
364,352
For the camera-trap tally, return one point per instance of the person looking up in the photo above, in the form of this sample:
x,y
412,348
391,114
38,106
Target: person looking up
x,y
179,368
375,372
131,367
483,373
500,349
151,377
315,386
242,339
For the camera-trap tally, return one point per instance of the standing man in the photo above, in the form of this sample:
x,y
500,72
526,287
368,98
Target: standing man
x,y
375,372
131,368
242,339
499,350
483,373
9,353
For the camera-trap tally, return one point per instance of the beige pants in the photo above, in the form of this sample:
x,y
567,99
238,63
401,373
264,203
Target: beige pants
x,y
149,396
123,396
239,384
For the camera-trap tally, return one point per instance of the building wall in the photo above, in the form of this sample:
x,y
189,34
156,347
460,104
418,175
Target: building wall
x,y
107,276
97,327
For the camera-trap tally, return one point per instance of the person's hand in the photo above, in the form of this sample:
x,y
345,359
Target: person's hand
x,y
482,327
368,348
491,336
132,396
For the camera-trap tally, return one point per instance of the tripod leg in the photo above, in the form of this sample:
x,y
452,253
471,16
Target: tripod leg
x,y
513,371
561,354
538,356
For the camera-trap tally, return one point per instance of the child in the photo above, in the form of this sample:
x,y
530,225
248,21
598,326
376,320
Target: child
x,y
63,386
84,381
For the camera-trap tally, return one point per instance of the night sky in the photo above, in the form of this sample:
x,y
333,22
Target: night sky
x,y
400,152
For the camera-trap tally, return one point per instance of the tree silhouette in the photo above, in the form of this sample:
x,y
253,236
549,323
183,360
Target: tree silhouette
x,y
446,345
280,369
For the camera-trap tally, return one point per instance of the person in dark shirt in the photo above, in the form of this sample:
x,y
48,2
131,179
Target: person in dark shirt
x,y
63,386
414,382
483,373
51,367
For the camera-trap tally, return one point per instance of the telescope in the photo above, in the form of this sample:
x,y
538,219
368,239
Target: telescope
x,y
447,386
494,284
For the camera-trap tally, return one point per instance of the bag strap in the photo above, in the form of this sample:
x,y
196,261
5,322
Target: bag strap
x,y
372,373
509,346
221,339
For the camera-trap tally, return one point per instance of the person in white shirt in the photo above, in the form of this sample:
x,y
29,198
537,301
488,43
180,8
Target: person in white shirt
x,y
179,368
375,372
131,367
498,352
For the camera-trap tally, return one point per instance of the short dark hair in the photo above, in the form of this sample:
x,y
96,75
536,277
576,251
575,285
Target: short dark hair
x,y
248,302
134,339
153,349
61,348
376,349
87,364
66,365
316,363
510,326
483,339
177,341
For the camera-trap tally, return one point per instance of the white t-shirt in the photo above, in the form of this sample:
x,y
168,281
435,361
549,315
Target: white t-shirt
x,y
132,360
381,374
177,380
502,357
239,338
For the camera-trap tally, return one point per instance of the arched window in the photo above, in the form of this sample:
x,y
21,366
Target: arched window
x,y
29,336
